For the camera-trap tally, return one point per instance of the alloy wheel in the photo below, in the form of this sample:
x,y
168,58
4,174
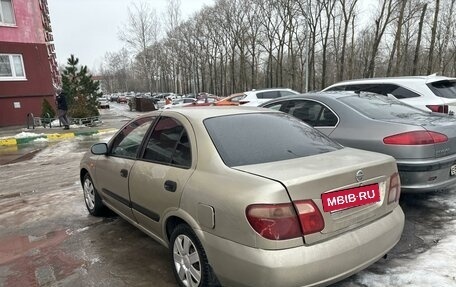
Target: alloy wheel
x,y
187,261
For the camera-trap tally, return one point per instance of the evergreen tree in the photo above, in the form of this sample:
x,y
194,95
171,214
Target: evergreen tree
x,y
80,89
47,110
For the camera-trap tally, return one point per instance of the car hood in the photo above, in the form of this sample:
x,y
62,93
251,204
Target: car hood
x,y
310,177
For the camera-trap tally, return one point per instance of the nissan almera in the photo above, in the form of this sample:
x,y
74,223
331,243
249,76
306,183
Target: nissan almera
x,y
247,197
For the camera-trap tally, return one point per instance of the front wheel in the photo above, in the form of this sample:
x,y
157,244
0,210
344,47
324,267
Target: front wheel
x,y
190,265
92,199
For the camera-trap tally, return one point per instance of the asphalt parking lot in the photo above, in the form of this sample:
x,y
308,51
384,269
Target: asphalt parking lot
x,y
47,237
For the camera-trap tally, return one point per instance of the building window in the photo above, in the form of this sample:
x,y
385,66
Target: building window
x,y
11,67
6,13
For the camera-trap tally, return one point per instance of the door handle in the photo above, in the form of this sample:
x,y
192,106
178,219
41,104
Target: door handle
x,y
170,185
123,173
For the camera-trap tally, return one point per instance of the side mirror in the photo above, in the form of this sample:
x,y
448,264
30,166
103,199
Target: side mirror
x,y
99,149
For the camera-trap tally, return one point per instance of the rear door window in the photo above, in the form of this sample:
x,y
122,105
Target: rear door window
x,y
265,137
282,106
444,89
286,93
307,111
268,95
168,144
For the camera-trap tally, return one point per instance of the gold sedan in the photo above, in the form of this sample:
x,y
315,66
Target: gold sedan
x,y
247,196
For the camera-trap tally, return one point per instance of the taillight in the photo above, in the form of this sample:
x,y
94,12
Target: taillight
x,y
416,138
309,216
274,221
394,191
280,221
438,108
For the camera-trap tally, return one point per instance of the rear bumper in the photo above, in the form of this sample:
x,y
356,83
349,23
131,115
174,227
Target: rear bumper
x,y
319,264
424,176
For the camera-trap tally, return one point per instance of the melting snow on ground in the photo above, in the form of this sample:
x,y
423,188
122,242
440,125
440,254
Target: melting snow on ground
x,y
434,267
24,135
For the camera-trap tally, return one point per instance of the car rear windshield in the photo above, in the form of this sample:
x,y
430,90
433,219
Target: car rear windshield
x,y
255,138
381,107
444,89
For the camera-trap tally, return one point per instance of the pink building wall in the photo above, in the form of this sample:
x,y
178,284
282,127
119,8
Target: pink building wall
x,y
28,28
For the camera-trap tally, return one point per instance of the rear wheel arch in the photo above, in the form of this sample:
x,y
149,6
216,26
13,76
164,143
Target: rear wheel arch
x,y
188,257
171,223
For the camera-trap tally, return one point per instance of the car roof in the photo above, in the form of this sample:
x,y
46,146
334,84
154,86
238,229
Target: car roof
x,y
203,112
319,95
404,79
267,89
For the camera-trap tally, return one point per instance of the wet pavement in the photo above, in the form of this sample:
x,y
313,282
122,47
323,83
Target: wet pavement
x,y
47,237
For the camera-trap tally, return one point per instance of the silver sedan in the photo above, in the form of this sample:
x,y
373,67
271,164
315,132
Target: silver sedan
x,y
247,197
423,143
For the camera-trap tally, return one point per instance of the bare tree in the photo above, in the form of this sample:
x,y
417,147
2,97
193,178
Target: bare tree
x,y
446,30
348,11
237,45
328,6
433,36
418,41
397,41
384,18
140,33
173,20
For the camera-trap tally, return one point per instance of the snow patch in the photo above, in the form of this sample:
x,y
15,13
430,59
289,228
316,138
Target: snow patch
x,y
24,135
433,267
82,229
95,260
41,140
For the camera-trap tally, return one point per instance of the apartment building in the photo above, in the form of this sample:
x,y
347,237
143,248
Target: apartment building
x,y
28,66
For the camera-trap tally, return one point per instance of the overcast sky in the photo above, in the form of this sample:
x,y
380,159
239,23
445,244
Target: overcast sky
x,y
89,28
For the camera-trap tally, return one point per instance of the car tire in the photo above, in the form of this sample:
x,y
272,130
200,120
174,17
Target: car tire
x,y
91,197
189,260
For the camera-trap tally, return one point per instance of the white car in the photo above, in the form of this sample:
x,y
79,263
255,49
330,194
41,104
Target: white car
x,y
177,103
257,97
103,103
429,93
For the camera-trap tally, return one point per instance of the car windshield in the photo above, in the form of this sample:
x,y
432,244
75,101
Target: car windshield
x,y
245,139
381,107
444,89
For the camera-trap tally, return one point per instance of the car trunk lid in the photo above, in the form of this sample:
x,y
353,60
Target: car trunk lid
x,y
434,123
313,176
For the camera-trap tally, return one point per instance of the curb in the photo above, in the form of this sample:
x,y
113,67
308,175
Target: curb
x,y
52,137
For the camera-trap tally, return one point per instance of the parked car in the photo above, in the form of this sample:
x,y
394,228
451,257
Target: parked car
x,y
103,103
177,103
257,97
122,99
272,202
232,100
114,97
423,143
204,100
160,99
429,93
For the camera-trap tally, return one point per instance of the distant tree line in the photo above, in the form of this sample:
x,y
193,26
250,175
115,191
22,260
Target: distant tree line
x,y
238,45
